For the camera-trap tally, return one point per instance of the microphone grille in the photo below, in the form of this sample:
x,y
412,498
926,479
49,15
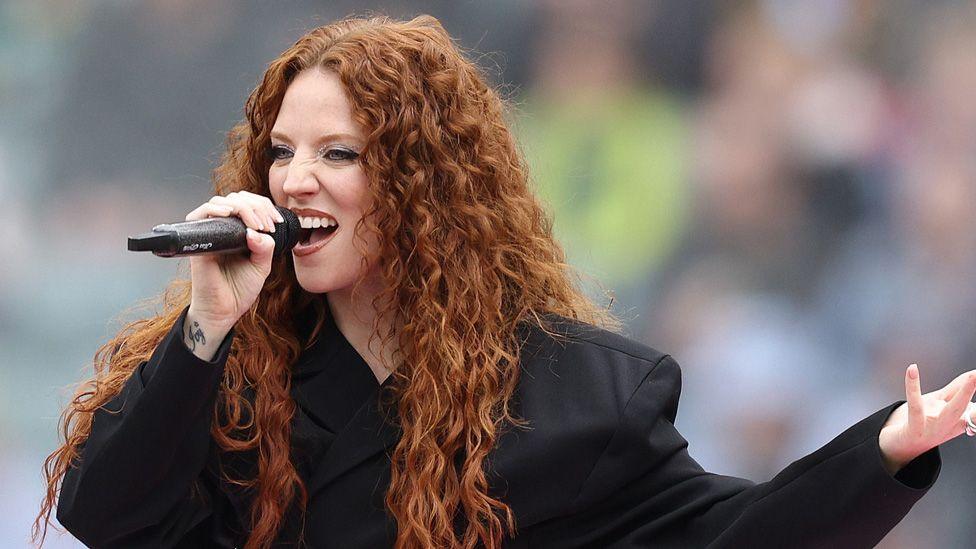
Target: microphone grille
x,y
287,233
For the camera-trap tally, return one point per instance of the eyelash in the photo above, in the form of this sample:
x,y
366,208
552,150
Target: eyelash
x,y
272,153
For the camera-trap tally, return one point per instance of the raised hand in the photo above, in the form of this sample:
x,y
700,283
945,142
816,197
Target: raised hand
x,y
925,421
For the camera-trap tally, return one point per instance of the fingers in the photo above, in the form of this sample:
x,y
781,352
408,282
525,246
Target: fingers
x,y
247,211
263,208
261,246
962,397
913,393
257,211
209,209
950,390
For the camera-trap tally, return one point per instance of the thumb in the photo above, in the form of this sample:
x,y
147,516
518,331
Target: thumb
x,y
262,249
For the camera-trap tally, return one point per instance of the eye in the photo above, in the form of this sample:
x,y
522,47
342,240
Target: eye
x,y
277,152
340,155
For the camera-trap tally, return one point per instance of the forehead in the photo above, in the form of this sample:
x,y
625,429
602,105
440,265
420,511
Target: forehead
x,y
315,103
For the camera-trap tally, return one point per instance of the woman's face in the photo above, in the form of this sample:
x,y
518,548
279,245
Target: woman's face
x,y
315,147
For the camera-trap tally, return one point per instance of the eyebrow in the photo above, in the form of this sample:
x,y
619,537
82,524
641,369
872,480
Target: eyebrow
x,y
327,137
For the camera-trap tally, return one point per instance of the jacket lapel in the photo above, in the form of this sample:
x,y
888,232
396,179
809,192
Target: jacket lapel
x,y
327,373
330,380
368,433
323,350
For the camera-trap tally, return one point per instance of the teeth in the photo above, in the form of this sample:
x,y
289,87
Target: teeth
x,y
316,222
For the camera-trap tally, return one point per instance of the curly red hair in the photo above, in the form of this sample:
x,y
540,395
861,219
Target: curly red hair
x,y
464,244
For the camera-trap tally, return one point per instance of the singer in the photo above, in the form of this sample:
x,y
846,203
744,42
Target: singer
x,y
421,369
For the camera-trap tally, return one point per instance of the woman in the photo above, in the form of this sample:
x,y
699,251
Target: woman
x,y
498,406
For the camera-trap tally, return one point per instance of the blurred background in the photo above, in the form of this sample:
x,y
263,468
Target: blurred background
x,y
779,193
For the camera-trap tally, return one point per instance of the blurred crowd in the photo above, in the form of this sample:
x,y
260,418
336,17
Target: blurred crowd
x,y
780,194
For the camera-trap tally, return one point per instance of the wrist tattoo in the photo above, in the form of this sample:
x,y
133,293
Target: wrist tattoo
x,y
196,334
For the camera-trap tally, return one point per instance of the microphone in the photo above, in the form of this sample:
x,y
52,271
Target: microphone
x,y
215,235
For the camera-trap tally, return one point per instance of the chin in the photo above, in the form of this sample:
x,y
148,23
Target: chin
x,y
311,283
314,281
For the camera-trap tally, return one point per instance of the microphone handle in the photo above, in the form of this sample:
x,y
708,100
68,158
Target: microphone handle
x,y
214,235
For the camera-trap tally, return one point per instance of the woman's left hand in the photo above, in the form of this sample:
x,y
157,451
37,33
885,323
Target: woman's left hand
x,y
925,421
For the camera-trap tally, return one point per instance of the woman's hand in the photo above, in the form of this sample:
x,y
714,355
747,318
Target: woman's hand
x,y
224,286
925,421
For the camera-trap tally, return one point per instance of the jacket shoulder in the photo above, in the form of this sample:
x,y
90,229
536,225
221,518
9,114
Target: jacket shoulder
x,y
574,385
577,356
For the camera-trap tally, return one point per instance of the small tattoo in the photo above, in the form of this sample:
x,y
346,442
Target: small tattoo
x,y
196,334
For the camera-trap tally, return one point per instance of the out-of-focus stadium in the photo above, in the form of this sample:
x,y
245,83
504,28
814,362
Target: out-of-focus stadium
x,y
781,194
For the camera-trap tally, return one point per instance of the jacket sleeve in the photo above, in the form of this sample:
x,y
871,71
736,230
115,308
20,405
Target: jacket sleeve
x,y
647,491
139,482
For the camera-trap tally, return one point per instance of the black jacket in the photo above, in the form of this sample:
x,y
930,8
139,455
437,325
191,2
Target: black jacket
x,y
601,466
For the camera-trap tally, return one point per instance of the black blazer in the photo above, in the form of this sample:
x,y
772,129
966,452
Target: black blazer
x,y
601,466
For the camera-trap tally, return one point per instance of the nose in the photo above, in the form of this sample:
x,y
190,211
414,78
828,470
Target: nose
x,y
300,179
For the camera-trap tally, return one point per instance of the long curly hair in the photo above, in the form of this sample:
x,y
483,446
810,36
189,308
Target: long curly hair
x,y
464,244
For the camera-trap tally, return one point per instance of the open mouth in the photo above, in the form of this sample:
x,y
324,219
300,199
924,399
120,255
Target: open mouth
x,y
311,236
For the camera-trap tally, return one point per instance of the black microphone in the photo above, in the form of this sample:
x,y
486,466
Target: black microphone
x,y
215,235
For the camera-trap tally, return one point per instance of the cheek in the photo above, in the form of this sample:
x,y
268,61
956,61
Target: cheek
x,y
354,196
275,181
358,191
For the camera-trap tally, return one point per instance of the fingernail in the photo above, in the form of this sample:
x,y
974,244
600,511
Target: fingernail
x,y
279,217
